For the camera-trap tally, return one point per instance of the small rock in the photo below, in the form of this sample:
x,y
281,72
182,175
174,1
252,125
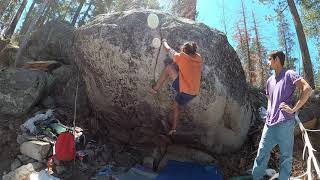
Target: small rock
x,y
35,149
15,164
23,172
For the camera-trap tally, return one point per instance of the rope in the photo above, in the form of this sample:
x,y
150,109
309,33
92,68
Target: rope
x,y
75,112
75,105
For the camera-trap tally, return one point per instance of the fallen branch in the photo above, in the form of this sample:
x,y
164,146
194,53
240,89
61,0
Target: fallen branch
x,y
311,160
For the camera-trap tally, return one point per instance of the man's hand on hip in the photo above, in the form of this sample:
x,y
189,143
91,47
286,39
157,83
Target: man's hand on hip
x,y
285,107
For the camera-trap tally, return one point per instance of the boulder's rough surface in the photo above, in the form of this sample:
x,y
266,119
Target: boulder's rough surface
x,y
21,89
119,65
53,41
35,149
65,87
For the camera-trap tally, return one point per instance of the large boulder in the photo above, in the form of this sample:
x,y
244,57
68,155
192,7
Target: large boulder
x,y
21,89
53,41
119,65
64,90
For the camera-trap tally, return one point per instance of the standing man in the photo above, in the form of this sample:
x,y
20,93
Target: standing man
x,y
280,122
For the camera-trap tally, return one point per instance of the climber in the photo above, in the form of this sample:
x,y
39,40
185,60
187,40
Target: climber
x,y
186,80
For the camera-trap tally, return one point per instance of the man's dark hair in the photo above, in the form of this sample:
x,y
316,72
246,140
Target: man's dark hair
x,y
280,55
190,48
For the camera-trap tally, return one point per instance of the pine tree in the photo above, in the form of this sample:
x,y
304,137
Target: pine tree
x,y
4,4
285,37
311,21
307,65
65,8
311,18
223,18
241,48
185,8
76,15
7,16
43,6
85,15
27,19
251,70
260,54
15,20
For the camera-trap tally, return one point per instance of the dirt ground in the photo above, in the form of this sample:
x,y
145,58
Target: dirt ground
x,y
9,147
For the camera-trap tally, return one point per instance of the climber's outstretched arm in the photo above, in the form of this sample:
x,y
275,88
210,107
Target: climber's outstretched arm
x,y
168,49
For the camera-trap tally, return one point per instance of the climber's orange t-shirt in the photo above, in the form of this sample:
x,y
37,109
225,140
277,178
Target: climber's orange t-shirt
x,y
189,72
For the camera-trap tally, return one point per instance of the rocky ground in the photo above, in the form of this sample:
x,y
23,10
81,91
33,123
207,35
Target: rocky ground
x,y
231,164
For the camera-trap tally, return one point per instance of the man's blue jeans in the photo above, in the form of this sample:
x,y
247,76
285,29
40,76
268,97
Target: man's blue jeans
x,y
283,135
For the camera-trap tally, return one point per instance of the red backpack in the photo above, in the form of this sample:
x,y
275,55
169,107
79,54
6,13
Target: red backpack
x,y
65,147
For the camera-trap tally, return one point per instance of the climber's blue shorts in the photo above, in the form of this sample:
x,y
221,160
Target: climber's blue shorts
x,y
181,98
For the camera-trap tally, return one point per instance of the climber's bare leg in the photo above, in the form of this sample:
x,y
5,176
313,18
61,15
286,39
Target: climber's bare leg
x,y
168,72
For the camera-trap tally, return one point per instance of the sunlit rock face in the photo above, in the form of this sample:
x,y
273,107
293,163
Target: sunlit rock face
x,y
119,60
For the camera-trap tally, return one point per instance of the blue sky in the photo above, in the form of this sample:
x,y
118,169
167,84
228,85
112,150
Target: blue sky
x,y
210,13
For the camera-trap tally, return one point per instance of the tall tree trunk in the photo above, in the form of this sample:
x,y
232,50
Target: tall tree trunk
x,y
247,44
42,18
8,15
63,17
43,6
15,20
76,15
307,66
109,3
82,21
259,50
27,19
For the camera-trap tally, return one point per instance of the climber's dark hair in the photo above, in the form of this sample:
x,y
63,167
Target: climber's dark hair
x,y
190,48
